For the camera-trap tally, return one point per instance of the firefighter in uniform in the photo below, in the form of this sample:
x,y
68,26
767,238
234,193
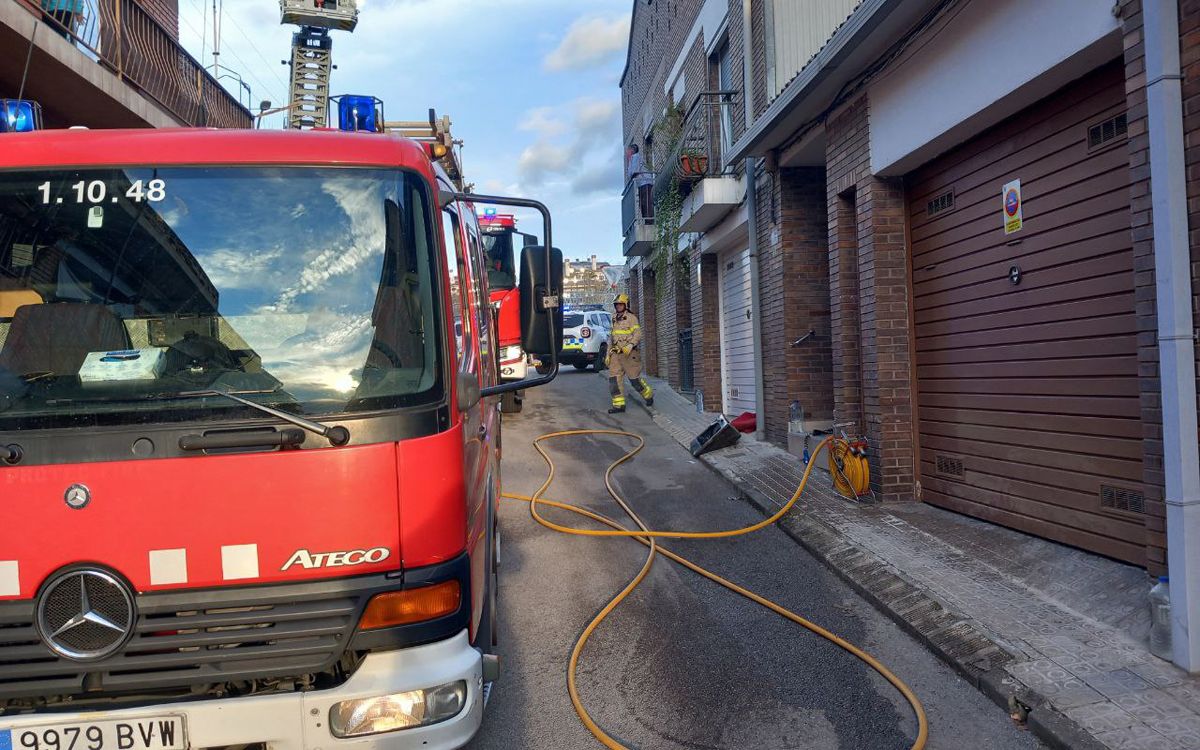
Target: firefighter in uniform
x,y
624,359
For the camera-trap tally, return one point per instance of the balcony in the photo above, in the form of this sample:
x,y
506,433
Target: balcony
x,y
695,161
637,224
111,39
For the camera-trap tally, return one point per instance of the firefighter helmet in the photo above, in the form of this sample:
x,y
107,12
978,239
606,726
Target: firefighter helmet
x,y
622,299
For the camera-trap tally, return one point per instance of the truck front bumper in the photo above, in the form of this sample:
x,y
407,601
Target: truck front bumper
x,y
299,721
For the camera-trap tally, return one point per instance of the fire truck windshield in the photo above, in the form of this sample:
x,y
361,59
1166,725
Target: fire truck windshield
x,y
124,290
502,273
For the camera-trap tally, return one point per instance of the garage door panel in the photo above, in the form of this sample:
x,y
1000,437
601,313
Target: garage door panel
x,y
1102,347
1063,423
1028,394
1072,368
1129,449
1095,279
1036,518
1065,111
1045,180
1036,386
1120,408
1056,213
737,333
1131,552
1070,460
1092,328
988,265
1012,481
976,316
1061,506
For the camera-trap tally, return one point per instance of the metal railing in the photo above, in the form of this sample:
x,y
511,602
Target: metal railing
x,y
124,38
699,151
632,210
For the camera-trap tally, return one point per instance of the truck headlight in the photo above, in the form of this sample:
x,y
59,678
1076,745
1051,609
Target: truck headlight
x,y
390,713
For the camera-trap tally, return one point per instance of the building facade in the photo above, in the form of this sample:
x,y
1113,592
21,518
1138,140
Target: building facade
x,y
109,64
970,234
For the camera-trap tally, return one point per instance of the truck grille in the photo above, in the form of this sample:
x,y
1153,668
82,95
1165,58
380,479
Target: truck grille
x,y
194,638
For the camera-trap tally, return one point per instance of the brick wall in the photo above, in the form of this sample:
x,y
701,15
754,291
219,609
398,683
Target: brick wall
x,y
648,318
794,272
869,267
657,34
166,12
667,328
1144,276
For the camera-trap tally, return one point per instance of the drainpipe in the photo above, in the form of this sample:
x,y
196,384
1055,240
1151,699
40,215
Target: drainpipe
x,y
760,410
1176,336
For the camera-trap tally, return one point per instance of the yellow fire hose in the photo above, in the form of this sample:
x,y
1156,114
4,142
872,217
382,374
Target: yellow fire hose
x,y
648,538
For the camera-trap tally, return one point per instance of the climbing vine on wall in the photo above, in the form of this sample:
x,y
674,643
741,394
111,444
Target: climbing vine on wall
x,y
669,261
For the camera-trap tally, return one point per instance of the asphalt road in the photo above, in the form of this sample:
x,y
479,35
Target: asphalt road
x,y
684,663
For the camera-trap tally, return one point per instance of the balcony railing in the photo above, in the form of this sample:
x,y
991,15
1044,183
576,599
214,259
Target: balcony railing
x,y
123,37
632,209
705,136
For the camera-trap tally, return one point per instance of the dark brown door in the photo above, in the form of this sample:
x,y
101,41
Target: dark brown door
x,y
1026,343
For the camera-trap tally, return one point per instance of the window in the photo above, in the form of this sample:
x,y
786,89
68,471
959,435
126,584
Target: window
x,y
306,289
725,83
459,280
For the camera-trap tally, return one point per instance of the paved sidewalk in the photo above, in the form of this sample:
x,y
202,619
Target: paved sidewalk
x,y
1049,631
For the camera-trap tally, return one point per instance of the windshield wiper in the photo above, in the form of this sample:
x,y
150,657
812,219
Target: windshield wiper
x,y
335,435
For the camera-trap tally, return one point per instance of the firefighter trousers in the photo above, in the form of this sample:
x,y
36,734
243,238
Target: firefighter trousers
x,y
621,366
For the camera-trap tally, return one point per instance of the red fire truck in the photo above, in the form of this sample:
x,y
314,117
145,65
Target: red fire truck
x,y
501,239
248,472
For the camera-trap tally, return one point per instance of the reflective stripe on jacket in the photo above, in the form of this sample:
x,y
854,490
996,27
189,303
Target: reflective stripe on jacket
x,y
626,331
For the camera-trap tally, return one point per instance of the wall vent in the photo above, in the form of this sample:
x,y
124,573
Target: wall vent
x,y
1122,499
1109,130
940,204
949,467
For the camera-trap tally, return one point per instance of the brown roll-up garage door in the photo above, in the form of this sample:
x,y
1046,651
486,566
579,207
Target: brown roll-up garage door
x,y
1029,413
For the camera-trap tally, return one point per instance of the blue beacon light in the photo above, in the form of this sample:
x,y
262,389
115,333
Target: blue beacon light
x,y
20,116
359,113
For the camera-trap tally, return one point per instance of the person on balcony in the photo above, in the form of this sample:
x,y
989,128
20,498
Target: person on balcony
x,y
62,14
644,181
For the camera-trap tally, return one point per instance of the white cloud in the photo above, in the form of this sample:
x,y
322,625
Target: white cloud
x,y
589,42
580,155
543,122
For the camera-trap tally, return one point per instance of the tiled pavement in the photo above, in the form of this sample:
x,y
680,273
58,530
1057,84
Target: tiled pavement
x,y
1039,627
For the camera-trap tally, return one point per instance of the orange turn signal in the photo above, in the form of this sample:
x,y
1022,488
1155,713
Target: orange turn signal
x,y
438,150
411,605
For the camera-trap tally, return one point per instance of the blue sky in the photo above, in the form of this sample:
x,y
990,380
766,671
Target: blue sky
x,y
531,86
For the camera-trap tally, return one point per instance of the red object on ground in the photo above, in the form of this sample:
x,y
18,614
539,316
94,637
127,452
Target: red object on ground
x,y
746,423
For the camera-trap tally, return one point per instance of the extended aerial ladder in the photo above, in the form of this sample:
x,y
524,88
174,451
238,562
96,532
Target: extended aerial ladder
x,y
312,55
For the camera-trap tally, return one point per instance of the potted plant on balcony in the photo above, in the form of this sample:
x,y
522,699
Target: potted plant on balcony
x,y
693,163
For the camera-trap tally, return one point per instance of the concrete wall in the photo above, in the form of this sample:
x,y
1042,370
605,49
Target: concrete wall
x,y
984,62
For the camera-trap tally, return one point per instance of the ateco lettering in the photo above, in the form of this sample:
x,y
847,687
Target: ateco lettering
x,y
305,559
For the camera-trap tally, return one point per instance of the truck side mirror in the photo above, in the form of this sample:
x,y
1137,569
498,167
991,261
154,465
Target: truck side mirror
x,y
541,300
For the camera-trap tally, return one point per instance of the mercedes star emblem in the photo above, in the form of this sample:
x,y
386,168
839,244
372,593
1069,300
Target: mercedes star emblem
x,y
78,496
85,614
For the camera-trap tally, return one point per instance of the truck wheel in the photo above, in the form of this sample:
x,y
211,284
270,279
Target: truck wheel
x,y
510,403
601,357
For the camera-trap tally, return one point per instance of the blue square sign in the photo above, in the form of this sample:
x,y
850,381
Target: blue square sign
x,y
5,739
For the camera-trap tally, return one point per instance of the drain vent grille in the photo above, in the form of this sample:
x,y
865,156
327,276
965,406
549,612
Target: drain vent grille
x,y
1123,499
949,467
1109,130
940,204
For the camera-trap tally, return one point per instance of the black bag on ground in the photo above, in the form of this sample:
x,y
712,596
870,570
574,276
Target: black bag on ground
x,y
720,434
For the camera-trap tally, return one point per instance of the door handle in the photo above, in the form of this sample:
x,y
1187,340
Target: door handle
x,y
483,431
